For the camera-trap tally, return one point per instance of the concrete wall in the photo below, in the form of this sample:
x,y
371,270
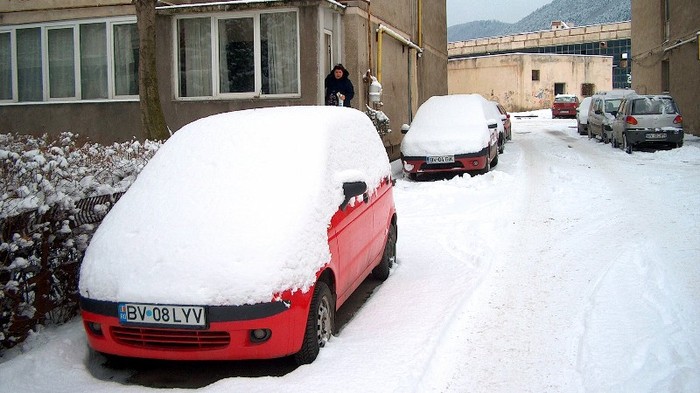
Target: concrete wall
x,y
408,78
651,47
508,78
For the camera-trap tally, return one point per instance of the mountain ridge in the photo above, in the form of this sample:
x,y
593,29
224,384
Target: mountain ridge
x,y
572,12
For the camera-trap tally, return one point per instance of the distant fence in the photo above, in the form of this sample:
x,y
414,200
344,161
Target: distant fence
x,y
40,255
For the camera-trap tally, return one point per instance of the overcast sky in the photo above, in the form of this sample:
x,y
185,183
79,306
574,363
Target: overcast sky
x,y
509,11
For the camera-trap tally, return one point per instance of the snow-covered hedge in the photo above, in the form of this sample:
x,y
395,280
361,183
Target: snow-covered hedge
x,y
52,195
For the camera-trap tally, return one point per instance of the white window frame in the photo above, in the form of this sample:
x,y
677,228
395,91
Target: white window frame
x,y
214,19
75,26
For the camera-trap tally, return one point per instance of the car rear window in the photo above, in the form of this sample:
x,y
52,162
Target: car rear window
x,y
568,99
653,106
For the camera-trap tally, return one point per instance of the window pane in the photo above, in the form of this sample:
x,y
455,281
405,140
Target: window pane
x,y
5,67
61,63
279,58
93,60
195,57
29,84
126,59
236,51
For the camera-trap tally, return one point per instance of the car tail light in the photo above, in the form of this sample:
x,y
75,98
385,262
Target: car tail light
x,y
678,120
631,120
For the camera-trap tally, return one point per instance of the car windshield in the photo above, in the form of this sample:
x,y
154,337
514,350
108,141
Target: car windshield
x,y
653,106
612,105
565,99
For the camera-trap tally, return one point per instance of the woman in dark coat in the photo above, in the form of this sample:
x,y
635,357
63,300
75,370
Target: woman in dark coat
x,y
338,87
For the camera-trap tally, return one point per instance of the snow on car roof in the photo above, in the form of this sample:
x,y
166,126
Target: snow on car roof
x,y
233,208
452,124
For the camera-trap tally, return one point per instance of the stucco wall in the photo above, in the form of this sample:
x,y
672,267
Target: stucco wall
x,y
650,48
508,78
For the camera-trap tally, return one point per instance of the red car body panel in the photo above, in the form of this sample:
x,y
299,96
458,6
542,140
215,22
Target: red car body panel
x,y
356,237
463,163
564,108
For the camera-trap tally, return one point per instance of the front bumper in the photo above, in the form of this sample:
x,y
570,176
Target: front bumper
x,y
462,163
227,336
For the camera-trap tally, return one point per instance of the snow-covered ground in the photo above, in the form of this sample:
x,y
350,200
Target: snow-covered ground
x,y
571,267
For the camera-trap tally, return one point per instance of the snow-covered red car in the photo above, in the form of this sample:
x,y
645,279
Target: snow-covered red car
x,y
456,133
242,237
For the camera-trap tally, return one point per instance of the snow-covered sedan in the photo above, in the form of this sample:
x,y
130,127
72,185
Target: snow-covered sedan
x,y
242,237
454,134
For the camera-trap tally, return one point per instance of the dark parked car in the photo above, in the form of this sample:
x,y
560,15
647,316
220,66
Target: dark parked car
x,y
647,120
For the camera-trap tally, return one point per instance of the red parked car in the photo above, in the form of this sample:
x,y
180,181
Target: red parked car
x,y
457,133
564,106
242,237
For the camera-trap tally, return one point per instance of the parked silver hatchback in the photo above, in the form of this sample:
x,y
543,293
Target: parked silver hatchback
x,y
602,112
647,120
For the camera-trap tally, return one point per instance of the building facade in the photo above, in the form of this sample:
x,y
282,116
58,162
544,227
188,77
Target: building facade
x,y
73,66
609,39
666,54
528,81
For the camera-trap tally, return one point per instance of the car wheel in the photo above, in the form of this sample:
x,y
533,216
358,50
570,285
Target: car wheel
x,y
613,142
590,133
494,162
381,272
319,325
501,144
604,136
412,176
625,145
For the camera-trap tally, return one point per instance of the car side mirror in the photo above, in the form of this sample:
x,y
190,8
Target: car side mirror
x,y
351,190
493,124
404,128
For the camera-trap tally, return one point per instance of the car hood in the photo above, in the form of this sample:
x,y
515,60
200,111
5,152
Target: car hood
x,y
453,124
442,139
233,208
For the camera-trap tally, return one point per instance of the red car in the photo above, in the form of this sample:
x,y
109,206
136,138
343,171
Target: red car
x,y
564,106
457,133
210,257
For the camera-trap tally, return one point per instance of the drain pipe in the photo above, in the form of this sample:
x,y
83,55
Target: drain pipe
x,y
381,30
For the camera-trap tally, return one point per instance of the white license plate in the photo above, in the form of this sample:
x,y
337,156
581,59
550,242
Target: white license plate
x,y
656,135
440,159
162,315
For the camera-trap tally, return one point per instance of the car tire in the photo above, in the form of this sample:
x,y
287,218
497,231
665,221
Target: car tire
x,y
494,162
501,144
625,145
381,272
604,136
614,143
590,133
319,324
413,176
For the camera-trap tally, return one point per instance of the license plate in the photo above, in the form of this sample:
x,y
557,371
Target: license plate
x,y
656,135
162,315
440,159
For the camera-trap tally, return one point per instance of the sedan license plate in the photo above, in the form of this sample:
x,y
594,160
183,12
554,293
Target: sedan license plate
x,y
440,159
656,135
162,315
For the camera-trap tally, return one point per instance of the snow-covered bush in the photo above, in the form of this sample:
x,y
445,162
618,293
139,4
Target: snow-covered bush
x,y
52,195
